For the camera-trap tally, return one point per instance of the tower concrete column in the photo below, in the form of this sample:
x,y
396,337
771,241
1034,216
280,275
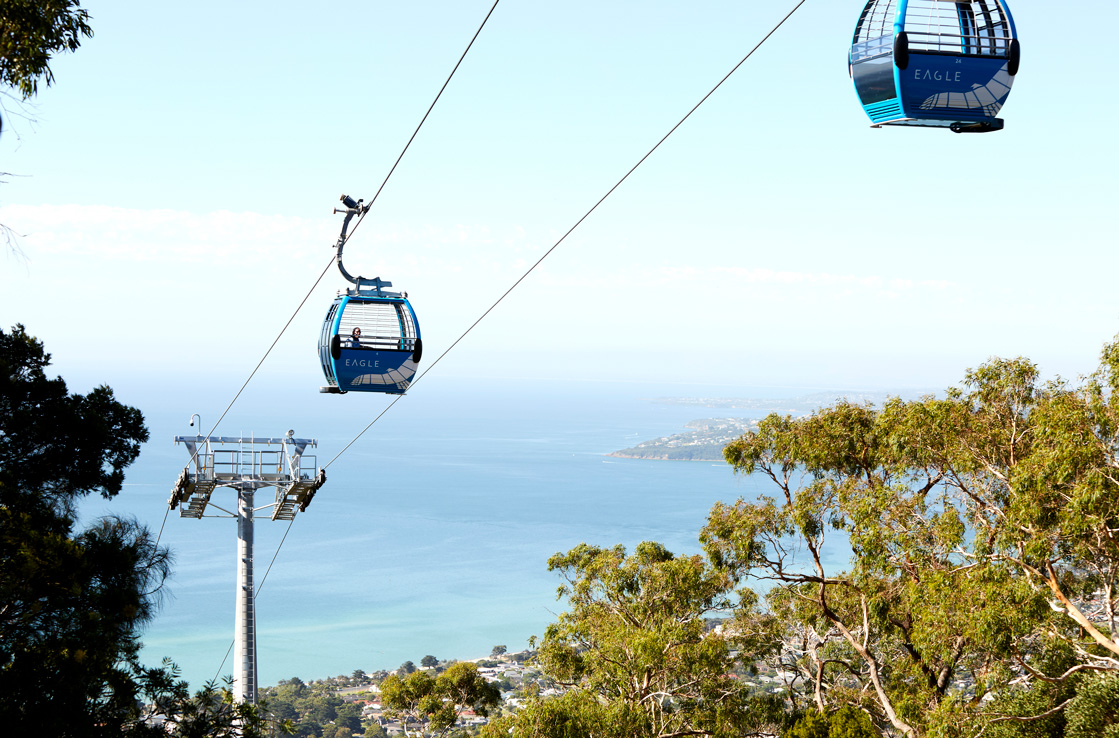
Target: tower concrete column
x,y
244,684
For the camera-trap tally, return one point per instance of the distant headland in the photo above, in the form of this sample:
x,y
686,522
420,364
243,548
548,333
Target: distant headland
x,y
705,439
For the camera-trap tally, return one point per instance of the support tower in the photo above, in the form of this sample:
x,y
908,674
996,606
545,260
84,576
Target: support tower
x,y
246,465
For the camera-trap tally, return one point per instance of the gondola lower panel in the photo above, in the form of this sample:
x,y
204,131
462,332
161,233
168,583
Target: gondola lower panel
x,y
373,370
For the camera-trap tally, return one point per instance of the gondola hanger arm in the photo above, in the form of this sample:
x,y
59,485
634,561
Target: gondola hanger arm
x,y
354,207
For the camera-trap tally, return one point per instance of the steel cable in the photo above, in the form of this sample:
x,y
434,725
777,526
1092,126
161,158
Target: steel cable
x,y
347,238
316,284
546,253
577,224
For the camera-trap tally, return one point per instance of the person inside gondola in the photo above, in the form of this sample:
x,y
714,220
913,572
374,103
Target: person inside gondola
x,y
354,341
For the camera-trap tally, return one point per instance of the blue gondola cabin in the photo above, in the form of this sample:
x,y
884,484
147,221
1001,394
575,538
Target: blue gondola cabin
x,y
370,343
935,63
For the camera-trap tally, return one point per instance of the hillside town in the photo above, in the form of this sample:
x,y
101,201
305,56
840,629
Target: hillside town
x,y
351,706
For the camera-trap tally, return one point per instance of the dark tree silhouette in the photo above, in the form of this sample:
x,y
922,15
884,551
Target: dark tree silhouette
x,y
73,601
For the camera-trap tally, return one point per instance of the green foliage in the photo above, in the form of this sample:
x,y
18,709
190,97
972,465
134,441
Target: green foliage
x,y
429,662
348,715
1094,713
73,602
1090,702
981,525
635,653
73,610
56,447
211,712
846,722
338,730
31,32
575,714
436,702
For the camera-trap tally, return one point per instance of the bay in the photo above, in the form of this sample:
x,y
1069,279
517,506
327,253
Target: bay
x,y
433,531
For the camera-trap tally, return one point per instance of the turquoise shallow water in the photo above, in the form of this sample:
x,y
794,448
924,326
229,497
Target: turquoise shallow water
x,y
433,531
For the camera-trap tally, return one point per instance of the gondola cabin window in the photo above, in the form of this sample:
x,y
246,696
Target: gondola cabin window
x,y
380,325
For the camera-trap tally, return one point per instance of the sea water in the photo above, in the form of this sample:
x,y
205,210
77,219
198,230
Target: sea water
x,y
433,531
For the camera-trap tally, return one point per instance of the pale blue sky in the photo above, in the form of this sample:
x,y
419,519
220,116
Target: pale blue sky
x,y
176,194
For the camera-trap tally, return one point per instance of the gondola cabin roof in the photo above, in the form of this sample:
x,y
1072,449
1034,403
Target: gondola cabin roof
x,y
935,63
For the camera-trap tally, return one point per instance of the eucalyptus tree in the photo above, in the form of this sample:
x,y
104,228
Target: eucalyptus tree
x,y
980,594
31,33
648,647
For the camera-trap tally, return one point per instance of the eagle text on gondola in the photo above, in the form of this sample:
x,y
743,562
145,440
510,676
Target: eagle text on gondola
x,y
919,74
363,363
